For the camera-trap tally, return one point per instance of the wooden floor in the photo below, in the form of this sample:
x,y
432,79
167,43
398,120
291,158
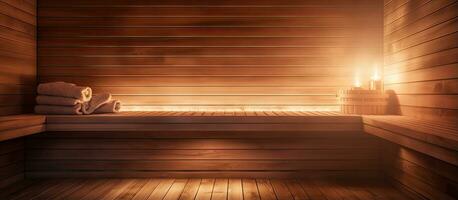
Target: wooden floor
x,y
214,189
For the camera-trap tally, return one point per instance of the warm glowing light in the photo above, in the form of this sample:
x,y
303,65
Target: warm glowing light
x,y
230,108
357,82
376,80
376,75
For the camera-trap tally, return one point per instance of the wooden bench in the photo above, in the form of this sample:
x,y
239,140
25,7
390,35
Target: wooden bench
x,y
203,144
207,121
436,139
307,140
16,126
12,130
419,156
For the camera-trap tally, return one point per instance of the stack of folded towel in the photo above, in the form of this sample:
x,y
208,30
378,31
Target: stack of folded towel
x,y
69,99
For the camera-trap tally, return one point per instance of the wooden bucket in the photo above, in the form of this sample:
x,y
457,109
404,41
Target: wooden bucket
x,y
363,102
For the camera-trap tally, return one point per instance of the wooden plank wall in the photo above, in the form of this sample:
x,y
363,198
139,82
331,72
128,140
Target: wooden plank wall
x,y
421,68
421,57
420,175
11,161
17,55
206,54
17,77
202,154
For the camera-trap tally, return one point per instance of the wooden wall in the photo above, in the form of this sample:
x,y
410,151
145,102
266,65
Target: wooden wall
x,y
421,68
17,55
207,54
11,161
420,175
421,56
202,154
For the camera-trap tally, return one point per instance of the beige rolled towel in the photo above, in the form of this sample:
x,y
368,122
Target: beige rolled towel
x,y
57,101
96,101
63,89
59,110
114,106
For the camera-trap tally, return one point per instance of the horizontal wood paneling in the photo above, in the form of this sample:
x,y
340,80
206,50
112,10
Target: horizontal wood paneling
x,y
12,130
17,56
17,85
177,81
187,144
242,10
420,52
16,126
11,161
424,176
188,154
436,139
420,156
298,53
206,121
53,3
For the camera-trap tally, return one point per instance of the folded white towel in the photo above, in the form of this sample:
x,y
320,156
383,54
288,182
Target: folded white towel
x,y
57,101
114,106
59,110
96,101
63,89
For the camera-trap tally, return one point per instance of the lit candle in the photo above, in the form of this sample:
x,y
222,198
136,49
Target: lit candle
x,y
376,80
357,84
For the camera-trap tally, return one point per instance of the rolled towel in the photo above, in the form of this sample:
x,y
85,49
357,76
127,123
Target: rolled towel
x,y
57,101
59,110
113,106
96,101
63,89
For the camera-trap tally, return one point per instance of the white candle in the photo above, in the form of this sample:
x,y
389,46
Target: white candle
x,y
376,80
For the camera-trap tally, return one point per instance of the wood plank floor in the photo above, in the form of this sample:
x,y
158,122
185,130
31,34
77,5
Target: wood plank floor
x,y
197,189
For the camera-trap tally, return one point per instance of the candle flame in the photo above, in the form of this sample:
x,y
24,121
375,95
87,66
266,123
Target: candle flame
x,y
376,76
357,82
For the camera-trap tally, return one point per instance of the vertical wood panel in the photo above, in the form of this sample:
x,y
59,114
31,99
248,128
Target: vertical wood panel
x,y
421,57
17,56
291,53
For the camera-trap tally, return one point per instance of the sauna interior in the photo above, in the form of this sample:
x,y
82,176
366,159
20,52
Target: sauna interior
x,y
229,99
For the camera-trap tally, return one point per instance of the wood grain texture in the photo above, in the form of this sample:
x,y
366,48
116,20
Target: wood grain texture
x,y
420,52
15,126
203,144
195,189
17,56
13,129
11,162
420,156
17,83
437,140
204,53
206,121
419,174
